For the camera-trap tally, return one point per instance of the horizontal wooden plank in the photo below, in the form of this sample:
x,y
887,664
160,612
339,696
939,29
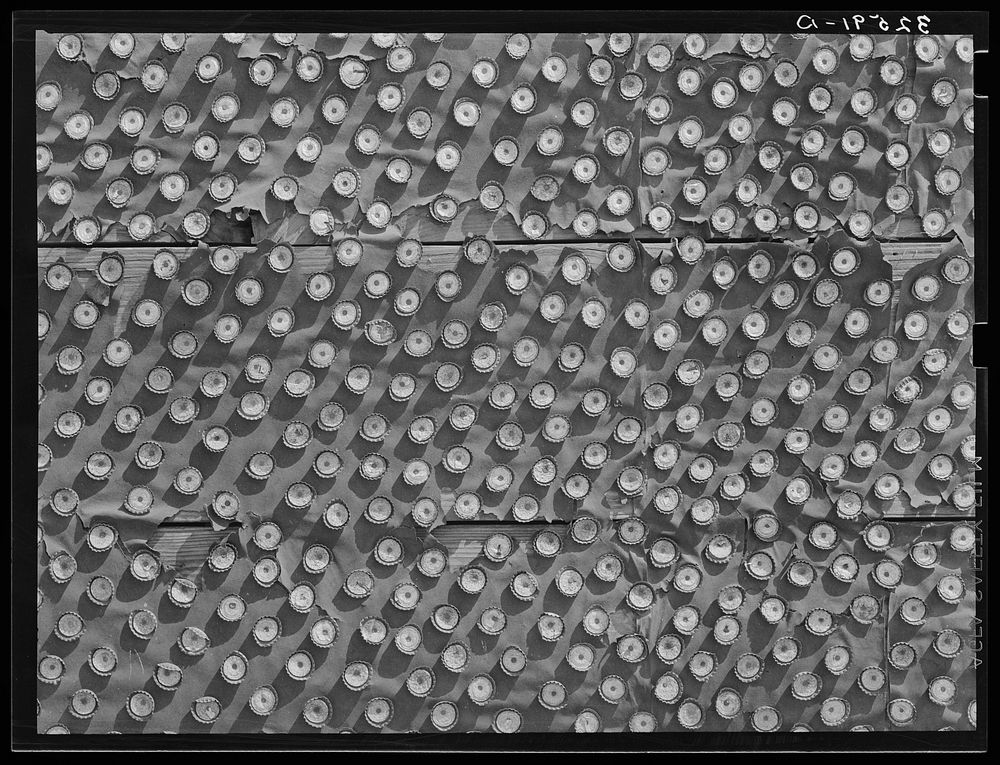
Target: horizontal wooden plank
x,y
185,548
902,256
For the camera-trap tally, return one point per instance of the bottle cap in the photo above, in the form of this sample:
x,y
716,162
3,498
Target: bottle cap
x,y
951,588
734,486
612,688
863,102
702,664
962,538
720,549
939,142
309,67
266,631
101,537
299,666
222,557
901,712
944,91
284,111
182,592
553,695
299,495
632,530
70,47
865,608
642,722
263,700
902,655
188,480
834,711
266,572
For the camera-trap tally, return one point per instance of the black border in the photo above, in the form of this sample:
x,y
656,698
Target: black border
x,y
535,20
24,423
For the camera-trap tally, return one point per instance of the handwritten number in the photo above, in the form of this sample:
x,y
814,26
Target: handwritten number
x,y
858,21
